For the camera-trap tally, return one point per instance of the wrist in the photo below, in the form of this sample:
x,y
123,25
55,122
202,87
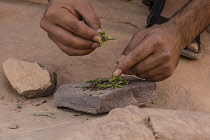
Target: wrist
x,y
175,31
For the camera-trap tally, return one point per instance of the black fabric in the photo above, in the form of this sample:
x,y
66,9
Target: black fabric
x,y
148,3
198,39
154,16
161,20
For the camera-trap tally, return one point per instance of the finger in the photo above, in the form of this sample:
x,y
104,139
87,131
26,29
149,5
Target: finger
x,y
90,18
68,38
148,63
158,78
151,73
69,22
140,52
69,50
133,43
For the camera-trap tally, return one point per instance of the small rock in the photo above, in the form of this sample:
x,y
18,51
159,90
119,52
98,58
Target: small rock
x,y
30,79
19,106
136,93
1,97
13,126
43,101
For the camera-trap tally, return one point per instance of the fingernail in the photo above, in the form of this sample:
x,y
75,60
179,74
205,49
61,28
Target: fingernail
x,y
121,58
95,45
96,38
99,30
117,73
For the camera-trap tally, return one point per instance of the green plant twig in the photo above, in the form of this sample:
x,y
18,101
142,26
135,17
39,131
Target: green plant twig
x,y
104,37
46,115
78,114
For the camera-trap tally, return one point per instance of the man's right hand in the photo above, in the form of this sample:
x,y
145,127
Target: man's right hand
x,y
72,25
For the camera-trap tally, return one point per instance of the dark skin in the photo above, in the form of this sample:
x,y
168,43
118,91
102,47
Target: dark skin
x,y
70,27
152,53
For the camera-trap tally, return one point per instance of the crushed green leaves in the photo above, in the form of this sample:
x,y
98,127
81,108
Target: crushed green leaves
x,y
99,93
101,84
104,38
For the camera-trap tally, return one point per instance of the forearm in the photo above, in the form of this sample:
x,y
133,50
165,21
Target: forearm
x,y
191,20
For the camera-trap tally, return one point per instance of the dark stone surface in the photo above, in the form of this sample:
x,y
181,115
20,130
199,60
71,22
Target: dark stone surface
x,y
19,106
138,92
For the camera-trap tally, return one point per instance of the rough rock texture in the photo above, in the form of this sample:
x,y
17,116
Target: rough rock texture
x,y
138,92
130,123
30,79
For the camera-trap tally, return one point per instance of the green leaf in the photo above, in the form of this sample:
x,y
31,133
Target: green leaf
x,y
104,37
78,114
46,115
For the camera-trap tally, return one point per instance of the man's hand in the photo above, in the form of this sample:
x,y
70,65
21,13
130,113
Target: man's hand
x,y
72,25
152,54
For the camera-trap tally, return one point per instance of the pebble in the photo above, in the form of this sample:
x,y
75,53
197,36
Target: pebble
x,y
43,101
1,97
19,106
13,126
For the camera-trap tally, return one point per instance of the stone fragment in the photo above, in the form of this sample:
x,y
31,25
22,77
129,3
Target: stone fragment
x,y
13,126
19,106
30,79
179,128
43,101
1,97
138,92
132,123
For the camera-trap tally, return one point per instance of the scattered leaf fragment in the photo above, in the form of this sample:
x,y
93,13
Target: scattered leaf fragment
x,y
101,84
46,115
37,104
100,93
78,114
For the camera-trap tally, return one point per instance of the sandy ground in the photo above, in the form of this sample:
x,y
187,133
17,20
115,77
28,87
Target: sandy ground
x,y
22,38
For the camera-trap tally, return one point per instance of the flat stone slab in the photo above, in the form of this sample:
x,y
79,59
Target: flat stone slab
x,y
30,79
138,92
